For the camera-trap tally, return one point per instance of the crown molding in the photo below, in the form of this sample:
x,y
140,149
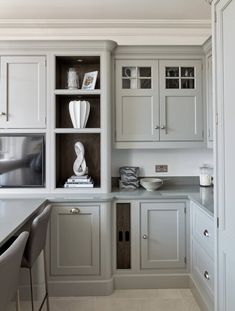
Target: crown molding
x,y
124,32
103,23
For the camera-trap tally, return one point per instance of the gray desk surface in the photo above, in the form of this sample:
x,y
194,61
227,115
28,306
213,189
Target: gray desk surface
x,y
14,213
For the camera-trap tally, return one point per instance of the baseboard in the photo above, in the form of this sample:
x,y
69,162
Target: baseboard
x,y
148,281
199,297
80,288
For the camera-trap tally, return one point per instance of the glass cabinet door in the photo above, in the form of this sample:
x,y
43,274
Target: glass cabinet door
x,y
179,77
136,77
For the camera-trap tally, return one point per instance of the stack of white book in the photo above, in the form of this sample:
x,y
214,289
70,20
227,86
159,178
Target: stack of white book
x,y
84,181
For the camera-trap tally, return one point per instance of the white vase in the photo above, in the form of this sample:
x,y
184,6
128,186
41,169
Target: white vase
x,y
79,112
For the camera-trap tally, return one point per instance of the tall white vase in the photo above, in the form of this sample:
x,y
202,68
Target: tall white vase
x,y
79,111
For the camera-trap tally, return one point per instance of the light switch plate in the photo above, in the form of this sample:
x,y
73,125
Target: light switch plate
x,y
161,168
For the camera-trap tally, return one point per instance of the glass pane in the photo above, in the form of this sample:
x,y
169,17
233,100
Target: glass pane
x,y
129,72
187,83
172,83
144,71
172,71
187,71
126,83
145,83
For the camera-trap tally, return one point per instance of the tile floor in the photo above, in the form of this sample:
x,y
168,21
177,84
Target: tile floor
x,y
126,300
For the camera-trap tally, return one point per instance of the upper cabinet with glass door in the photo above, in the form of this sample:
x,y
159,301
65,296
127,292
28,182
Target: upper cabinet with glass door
x,y
181,106
137,100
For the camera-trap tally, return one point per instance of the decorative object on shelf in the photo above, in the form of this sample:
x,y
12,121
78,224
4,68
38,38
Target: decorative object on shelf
x,y
84,181
205,176
151,184
73,81
129,177
89,80
133,74
79,166
79,112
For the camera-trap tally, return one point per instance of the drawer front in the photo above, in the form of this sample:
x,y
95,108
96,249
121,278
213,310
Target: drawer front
x,y
203,229
203,268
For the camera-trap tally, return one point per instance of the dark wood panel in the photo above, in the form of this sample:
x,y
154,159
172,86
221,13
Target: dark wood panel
x,y
63,119
65,156
123,234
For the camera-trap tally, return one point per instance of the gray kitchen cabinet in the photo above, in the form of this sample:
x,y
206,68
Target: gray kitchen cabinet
x,y
137,100
23,92
181,108
75,239
162,233
158,103
202,254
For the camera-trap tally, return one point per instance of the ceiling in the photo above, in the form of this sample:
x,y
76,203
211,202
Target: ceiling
x,y
105,9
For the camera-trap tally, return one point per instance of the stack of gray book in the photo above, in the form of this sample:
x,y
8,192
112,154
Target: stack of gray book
x,y
129,177
74,181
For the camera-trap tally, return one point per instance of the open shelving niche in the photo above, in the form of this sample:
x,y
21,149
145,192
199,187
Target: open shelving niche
x,y
65,135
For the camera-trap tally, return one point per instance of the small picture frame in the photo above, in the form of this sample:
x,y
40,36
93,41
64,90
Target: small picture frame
x,y
89,80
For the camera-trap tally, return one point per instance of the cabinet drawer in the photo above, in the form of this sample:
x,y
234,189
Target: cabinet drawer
x,y
203,229
202,268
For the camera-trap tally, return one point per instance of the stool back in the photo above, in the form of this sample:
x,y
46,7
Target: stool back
x,y
37,238
10,262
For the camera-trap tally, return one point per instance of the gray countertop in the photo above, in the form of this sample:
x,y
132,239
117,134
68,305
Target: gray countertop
x,y
14,213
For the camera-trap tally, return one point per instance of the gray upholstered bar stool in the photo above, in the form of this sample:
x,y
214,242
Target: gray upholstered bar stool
x,y
10,262
35,245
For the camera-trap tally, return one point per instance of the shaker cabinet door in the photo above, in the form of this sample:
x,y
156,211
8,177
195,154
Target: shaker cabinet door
x,y
23,92
181,107
75,242
163,235
137,100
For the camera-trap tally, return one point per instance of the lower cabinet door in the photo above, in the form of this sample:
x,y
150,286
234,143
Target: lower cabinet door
x,y
75,241
162,235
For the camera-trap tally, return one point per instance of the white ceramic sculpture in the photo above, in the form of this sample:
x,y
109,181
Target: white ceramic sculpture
x,y
79,166
79,112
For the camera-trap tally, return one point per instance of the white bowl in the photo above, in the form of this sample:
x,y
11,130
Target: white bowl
x,y
151,184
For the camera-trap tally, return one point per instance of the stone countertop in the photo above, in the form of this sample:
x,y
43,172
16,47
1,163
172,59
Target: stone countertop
x,y
14,213
201,196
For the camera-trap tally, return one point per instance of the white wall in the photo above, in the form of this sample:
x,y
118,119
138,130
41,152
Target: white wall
x,y
180,162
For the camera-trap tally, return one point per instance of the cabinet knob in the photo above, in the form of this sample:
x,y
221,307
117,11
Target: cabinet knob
x,y
163,127
206,275
75,211
3,114
157,127
206,233
145,236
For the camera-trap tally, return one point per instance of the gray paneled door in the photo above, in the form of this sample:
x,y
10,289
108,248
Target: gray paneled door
x,y
137,112
75,241
162,235
225,151
23,92
181,107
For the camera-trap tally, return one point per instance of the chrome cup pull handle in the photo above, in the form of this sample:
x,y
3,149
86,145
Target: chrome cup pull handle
x,y
75,211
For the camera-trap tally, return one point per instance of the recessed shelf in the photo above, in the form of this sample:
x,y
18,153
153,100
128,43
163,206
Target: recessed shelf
x,y
77,131
65,156
82,65
76,92
63,119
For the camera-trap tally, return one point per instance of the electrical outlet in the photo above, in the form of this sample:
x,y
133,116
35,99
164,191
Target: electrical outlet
x,y
162,168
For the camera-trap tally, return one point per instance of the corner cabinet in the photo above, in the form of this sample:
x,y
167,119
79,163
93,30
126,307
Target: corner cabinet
x,y
23,91
162,235
158,102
